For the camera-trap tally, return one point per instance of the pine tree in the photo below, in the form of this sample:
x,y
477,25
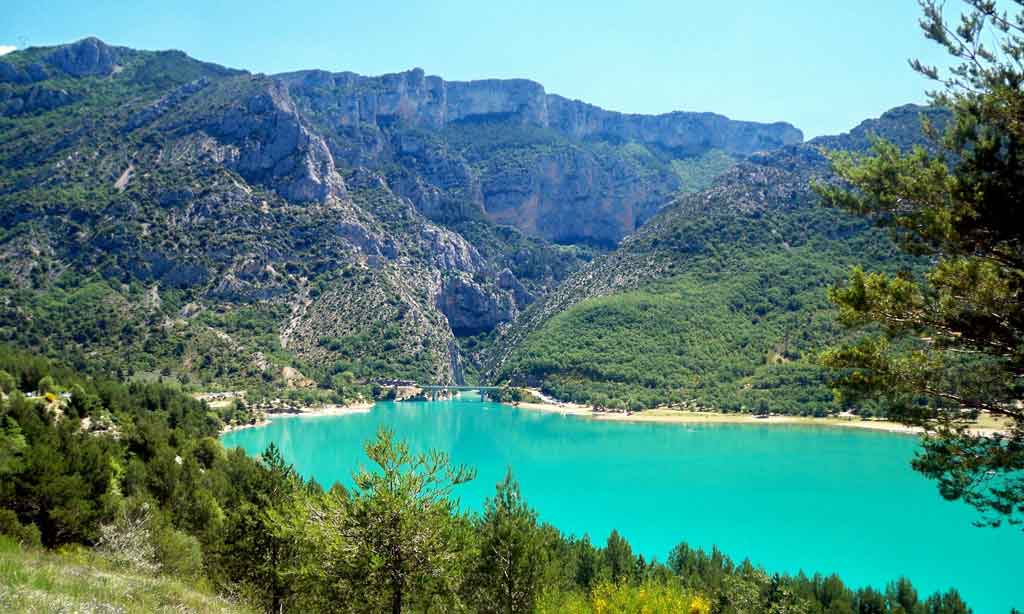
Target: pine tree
x,y
398,535
942,345
512,555
618,556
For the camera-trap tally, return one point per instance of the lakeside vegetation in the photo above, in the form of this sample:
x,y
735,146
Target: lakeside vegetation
x,y
134,473
737,335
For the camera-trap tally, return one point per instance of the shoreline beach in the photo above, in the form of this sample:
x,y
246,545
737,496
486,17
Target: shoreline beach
x,y
304,412
677,416
650,416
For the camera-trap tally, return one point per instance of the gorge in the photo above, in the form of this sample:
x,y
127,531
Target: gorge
x,y
190,253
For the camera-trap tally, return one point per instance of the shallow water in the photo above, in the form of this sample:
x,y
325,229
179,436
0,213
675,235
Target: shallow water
x,y
788,497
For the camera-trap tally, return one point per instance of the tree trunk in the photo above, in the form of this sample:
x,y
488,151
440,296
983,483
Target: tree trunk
x,y
396,600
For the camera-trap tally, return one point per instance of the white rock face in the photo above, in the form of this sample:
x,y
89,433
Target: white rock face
x,y
431,102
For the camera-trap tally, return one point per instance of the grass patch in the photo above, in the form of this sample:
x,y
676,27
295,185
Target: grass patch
x,y
79,580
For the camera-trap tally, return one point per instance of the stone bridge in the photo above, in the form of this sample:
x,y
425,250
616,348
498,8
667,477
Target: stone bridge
x,y
433,391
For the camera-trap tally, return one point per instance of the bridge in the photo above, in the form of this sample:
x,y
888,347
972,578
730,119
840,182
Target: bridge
x,y
433,391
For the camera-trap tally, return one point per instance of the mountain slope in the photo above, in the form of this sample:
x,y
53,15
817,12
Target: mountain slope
x,y
165,216
719,301
81,581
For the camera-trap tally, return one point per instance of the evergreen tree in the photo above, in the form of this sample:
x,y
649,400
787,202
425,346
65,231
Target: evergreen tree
x,y
398,534
81,404
7,382
12,446
587,562
902,596
949,342
261,548
512,555
618,557
946,603
46,385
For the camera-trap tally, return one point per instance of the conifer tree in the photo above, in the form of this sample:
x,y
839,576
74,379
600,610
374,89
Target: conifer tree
x,y
943,344
512,555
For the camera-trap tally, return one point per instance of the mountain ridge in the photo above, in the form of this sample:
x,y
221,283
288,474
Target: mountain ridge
x,y
434,102
224,226
539,151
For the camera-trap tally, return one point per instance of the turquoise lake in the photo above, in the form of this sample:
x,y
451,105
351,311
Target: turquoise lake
x,y
788,497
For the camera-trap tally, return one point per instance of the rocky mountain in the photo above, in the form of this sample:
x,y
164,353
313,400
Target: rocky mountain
x,y
163,215
720,299
506,151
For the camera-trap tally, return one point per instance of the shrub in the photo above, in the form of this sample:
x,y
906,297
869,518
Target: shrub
x,y
177,553
27,535
649,598
128,540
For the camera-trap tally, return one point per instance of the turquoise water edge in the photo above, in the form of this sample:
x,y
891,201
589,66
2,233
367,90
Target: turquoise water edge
x,y
819,499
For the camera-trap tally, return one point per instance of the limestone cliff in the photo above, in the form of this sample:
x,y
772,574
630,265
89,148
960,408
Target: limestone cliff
x,y
433,103
506,150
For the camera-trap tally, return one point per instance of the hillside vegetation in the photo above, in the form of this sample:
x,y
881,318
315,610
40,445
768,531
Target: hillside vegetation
x,y
734,341
167,217
719,302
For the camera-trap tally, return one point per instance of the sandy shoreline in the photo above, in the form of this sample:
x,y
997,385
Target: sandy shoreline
x,y
674,416
659,416
304,412
239,427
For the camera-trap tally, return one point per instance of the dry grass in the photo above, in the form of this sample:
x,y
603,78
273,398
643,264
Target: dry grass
x,y
83,582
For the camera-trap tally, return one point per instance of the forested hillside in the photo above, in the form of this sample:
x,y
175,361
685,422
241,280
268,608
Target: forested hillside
x,y
720,301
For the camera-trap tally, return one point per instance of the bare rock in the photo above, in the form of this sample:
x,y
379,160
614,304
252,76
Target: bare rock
x,y
472,308
276,149
85,58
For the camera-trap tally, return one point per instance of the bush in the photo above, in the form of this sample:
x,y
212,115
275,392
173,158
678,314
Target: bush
x,y
7,383
177,553
27,535
649,597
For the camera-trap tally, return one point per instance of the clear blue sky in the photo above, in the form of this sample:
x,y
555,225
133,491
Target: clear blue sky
x,y
823,66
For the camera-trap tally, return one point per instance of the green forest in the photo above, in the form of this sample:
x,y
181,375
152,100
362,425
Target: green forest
x,y
736,325
131,478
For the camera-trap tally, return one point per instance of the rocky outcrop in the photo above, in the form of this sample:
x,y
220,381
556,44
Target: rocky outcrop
x,y
900,125
571,196
472,308
88,57
33,100
508,281
431,102
10,73
275,148
33,73
166,103
552,167
449,252
686,133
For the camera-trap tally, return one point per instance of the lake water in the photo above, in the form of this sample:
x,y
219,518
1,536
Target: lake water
x,y
788,497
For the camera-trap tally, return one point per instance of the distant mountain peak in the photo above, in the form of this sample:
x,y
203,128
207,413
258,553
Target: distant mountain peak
x,y
87,57
432,102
